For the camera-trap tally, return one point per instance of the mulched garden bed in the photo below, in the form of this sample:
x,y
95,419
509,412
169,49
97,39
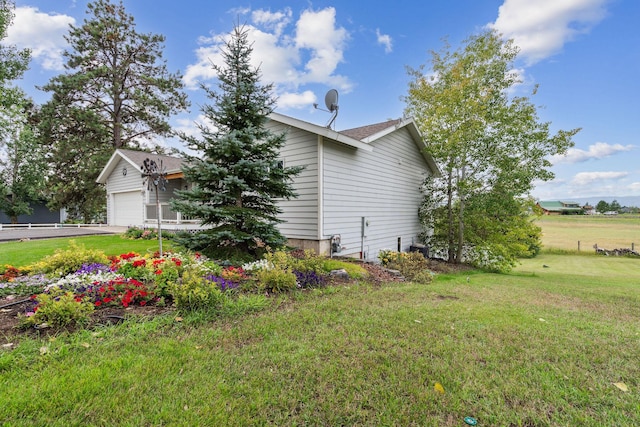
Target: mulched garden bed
x,y
9,320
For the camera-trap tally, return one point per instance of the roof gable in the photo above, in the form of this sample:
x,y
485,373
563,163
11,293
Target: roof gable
x,y
135,158
361,137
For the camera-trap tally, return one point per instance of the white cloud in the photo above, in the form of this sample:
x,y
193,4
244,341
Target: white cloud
x,y
634,187
42,33
316,33
586,178
296,100
541,28
384,40
308,53
599,150
276,21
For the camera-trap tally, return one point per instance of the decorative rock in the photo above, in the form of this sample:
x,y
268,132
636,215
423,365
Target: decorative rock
x,y
340,274
395,273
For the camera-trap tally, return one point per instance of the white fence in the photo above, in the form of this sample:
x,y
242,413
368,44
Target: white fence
x,y
47,226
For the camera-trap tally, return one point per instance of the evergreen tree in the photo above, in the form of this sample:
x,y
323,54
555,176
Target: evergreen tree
x,y
116,93
237,175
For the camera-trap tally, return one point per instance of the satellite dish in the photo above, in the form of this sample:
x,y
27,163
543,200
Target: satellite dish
x,y
331,101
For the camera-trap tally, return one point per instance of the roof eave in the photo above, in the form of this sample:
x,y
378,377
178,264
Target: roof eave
x,y
319,130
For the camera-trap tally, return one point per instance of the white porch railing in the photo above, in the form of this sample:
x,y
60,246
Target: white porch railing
x,y
168,216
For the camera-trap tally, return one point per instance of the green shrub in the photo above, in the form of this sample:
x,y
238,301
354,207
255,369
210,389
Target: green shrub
x,y
193,292
412,265
276,280
133,233
70,260
307,261
354,270
424,277
59,309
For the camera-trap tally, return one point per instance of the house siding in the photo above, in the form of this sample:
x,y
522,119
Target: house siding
x,y
119,183
382,185
300,215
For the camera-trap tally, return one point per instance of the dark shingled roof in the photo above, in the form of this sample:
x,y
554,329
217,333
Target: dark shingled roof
x,y
170,163
366,131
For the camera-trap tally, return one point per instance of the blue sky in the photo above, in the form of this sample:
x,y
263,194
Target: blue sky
x,y
584,54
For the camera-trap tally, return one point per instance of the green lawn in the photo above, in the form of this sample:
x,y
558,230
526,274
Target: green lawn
x,y
609,232
23,253
542,346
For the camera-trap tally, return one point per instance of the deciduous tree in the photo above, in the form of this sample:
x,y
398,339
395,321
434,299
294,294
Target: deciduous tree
x,y
21,168
490,145
22,161
237,174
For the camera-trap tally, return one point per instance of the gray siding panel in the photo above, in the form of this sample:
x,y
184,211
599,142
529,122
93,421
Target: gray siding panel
x,y
383,186
300,215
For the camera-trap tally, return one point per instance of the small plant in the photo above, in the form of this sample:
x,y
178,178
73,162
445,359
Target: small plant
x,y
9,272
194,292
24,285
222,283
118,292
133,233
58,309
309,279
412,265
67,261
276,280
233,274
354,270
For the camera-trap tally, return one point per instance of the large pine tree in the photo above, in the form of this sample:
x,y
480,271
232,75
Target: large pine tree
x,y
237,176
116,93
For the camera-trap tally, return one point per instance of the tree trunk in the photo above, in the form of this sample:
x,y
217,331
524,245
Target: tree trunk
x,y
461,195
451,231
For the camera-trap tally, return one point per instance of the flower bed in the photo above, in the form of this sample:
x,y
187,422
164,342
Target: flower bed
x,y
182,281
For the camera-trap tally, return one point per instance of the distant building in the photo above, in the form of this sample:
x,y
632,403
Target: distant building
x,y
560,208
41,214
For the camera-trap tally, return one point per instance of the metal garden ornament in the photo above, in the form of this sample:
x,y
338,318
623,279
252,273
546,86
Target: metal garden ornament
x,y
156,178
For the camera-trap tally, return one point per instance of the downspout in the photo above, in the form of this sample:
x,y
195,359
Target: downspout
x,y
320,211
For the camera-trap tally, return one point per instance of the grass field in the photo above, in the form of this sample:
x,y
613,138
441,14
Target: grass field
x,y
608,232
554,343
538,347
23,253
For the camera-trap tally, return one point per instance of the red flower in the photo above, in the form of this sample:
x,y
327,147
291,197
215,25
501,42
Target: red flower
x,y
143,303
139,263
158,272
98,303
129,255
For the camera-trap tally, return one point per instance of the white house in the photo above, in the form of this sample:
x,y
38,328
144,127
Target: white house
x,y
359,192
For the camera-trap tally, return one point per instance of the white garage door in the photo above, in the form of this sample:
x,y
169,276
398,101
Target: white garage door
x,y
127,208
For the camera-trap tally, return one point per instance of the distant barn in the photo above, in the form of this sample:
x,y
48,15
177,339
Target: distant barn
x,y
560,208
